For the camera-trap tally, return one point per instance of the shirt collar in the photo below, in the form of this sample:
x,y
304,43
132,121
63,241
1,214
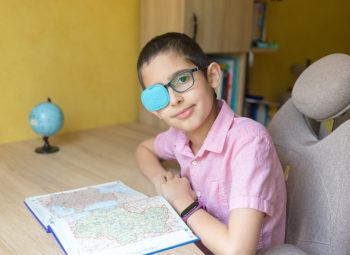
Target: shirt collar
x,y
217,134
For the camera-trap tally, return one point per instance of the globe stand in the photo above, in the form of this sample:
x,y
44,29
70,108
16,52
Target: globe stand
x,y
47,148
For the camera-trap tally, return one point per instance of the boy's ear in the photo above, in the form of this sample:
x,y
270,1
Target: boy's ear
x,y
214,74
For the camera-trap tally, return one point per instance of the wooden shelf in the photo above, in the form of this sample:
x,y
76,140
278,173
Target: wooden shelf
x,y
258,50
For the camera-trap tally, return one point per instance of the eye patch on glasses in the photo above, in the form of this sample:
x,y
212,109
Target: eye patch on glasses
x,y
156,97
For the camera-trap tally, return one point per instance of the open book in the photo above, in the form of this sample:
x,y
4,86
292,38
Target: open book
x,y
110,218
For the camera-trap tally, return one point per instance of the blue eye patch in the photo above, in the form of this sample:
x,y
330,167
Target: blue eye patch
x,y
155,98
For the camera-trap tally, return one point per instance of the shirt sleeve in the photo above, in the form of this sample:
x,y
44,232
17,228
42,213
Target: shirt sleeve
x,y
164,144
256,172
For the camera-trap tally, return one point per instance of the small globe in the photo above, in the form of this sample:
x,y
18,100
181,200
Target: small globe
x,y
46,119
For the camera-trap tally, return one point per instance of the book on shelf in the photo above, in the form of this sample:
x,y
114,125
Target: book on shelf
x,y
228,88
259,22
256,108
110,218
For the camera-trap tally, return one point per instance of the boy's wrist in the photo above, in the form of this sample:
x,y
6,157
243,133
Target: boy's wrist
x,y
181,204
191,209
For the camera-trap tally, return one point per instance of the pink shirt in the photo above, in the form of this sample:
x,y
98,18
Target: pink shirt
x,y
236,167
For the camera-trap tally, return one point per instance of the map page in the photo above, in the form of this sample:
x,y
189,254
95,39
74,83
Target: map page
x,y
142,226
57,205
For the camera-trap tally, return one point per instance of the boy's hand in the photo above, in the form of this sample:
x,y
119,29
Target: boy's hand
x,y
177,190
159,179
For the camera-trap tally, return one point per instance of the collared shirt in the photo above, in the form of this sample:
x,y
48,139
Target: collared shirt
x,y
236,167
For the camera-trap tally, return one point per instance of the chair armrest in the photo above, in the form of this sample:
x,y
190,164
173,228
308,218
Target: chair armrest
x,y
282,249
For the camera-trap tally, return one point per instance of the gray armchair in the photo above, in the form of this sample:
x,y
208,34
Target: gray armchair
x,y
318,207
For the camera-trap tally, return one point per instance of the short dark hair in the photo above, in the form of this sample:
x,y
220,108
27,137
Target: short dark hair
x,y
172,41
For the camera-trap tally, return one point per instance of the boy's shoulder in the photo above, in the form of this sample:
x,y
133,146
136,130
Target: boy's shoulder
x,y
239,127
246,128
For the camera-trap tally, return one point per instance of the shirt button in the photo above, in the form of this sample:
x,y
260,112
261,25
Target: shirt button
x,y
194,163
198,194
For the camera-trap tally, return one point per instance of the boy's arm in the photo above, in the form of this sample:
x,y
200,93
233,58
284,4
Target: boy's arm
x,y
240,237
149,163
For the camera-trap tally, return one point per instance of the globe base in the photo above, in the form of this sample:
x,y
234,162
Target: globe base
x,y
47,148
44,150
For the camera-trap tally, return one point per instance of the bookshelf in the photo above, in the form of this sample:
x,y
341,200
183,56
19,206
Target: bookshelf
x,y
221,27
256,106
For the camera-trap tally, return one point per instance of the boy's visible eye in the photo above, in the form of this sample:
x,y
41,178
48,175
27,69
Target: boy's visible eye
x,y
182,79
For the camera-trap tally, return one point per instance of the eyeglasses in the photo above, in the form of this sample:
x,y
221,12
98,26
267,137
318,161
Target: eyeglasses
x,y
156,97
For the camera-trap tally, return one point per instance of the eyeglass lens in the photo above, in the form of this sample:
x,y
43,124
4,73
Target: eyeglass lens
x,y
182,82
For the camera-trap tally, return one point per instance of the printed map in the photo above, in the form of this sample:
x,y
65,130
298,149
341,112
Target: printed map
x,y
125,224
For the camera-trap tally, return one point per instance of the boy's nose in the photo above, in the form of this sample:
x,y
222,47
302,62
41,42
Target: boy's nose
x,y
175,97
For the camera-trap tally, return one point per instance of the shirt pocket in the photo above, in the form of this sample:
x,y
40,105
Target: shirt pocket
x,y
216,196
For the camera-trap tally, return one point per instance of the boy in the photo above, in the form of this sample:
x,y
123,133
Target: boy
x,y
231,191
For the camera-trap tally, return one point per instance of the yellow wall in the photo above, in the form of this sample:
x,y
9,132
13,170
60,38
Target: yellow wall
x,y
303,29
81,53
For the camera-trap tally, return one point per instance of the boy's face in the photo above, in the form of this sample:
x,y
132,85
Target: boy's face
x,y
188,110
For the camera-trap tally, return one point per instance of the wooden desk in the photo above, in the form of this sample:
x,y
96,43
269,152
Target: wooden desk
x,y
85,158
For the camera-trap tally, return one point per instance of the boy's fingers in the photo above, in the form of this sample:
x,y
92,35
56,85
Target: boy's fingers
x,y
169,176
162,180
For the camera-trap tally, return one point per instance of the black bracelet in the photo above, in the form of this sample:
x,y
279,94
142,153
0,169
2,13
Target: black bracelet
x,y
193,207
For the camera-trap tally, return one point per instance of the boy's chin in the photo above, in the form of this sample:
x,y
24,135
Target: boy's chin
x,y
185,126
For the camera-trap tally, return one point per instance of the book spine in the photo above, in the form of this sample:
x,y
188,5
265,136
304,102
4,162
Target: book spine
x,y
235,85
229,87
46,228
218,89
225,81
263,22
58,240
259,22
